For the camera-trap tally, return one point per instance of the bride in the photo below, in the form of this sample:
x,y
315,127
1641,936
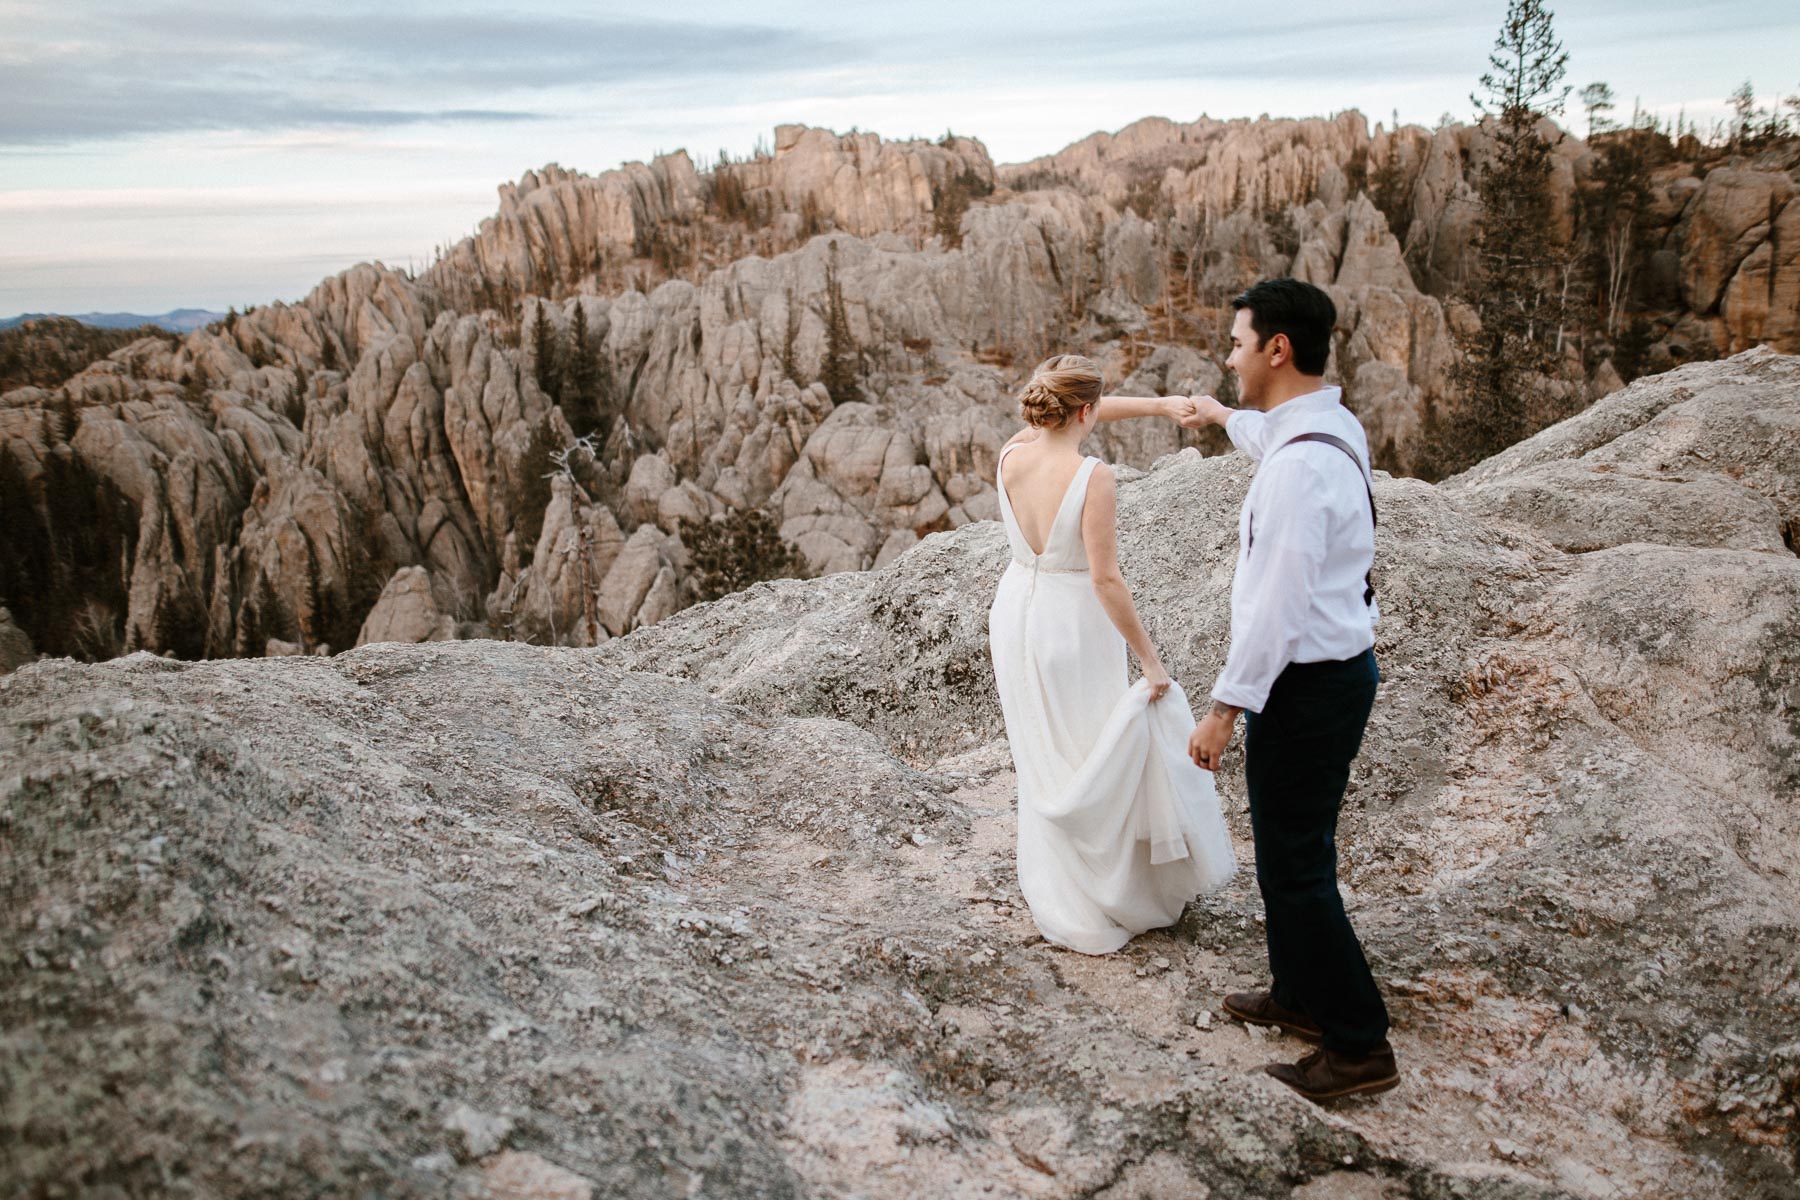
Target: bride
x,y
1118,828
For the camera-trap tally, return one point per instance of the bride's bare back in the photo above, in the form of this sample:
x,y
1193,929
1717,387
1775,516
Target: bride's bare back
x,y
1037,479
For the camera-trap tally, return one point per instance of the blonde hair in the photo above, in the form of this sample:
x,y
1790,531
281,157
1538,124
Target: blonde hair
x,y
1060,386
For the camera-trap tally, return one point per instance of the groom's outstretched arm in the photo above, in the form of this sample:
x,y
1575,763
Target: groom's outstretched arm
x,y
1246,427
1123,408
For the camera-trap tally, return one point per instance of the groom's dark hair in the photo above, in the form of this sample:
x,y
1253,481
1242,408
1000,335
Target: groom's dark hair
x,y
1300,310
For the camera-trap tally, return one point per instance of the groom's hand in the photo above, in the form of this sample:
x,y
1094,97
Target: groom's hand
x,y
1206,411
1206,745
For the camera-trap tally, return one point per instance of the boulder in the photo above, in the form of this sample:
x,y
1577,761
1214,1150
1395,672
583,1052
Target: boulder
x,y
15,645
651,476
897,543
407,611
630,579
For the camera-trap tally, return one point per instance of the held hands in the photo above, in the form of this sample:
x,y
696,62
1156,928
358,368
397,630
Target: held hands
x,y
1206,745
1201,411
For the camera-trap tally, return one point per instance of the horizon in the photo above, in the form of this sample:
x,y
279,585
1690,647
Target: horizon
x,y
233,185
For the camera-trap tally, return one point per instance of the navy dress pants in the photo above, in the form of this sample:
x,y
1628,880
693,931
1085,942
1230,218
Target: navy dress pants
x,y
1297,754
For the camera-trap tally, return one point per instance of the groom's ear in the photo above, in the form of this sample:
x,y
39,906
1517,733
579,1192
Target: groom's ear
x,y
1281,349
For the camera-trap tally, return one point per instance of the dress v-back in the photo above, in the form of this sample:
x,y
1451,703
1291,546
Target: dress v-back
x,y
1067,553
1118,828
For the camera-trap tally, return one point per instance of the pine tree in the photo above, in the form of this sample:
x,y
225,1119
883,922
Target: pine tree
x,y
951,199
729,553
1632,348
581,378
789,364
812,217
27,554
179,626
259,619
544,356
1393,190
1597,98
66,418
535,467
1516,252
1613,217
317,621
1743,114
839,372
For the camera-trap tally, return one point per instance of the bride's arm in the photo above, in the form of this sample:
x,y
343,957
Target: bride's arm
x,y
1100,537
1123,408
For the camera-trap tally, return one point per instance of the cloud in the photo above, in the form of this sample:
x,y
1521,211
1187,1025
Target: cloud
x,y
1313,41
92,74
60,110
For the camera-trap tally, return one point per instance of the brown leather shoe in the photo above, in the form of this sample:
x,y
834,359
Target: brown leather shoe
x,y
1259,1008
1327,1075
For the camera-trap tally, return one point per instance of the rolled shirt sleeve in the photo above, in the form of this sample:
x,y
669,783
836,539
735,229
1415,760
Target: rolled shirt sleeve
x,y
1248,430
1280,573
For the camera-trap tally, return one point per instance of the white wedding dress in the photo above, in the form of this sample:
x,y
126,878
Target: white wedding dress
x,y
1118,828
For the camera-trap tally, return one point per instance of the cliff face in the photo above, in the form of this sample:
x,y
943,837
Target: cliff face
x,y
727,907
260,486
1723,261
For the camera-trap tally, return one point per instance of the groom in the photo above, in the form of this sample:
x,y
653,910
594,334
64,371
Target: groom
x,y
1302,669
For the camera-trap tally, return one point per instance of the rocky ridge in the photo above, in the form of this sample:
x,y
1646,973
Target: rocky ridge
x,y
261,484
725,906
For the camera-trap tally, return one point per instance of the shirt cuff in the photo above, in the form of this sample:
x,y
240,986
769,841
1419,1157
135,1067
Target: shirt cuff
x,y
1239,696
1239,426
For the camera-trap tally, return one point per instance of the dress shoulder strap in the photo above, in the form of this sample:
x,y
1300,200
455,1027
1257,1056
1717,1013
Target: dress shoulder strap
x,y
1083,473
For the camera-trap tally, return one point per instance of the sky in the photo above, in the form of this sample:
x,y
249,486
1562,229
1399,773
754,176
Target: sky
x,y
162,155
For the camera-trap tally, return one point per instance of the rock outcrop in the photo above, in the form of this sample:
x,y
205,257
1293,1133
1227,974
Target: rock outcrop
x,y
407,611
830,332
15,645
726,905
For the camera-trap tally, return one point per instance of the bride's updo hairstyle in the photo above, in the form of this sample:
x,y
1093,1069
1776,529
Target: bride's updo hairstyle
x,y
1058,388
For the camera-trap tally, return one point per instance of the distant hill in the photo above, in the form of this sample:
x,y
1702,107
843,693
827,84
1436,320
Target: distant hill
x,y
180,320
44,351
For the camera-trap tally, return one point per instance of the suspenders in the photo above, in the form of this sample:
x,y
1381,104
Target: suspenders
x,y
1341,444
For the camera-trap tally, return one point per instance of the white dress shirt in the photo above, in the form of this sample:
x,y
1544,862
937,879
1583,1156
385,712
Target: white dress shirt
x,y
1298,592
